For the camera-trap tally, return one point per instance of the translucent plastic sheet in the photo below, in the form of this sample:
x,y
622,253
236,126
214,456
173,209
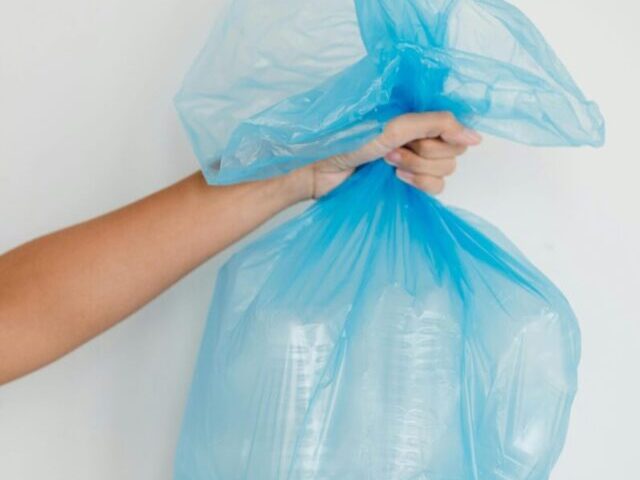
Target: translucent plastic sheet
x,y
380,335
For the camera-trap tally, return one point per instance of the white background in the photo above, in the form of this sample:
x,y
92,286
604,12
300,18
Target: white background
x,y
86,125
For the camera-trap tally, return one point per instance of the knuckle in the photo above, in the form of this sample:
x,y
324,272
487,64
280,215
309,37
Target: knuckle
x,y
447,119
392,133
449,124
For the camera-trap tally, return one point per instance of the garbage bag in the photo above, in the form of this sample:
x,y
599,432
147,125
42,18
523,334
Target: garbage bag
x,y
380,334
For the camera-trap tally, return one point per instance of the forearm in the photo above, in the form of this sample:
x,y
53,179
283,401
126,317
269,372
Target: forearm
x,y
60,290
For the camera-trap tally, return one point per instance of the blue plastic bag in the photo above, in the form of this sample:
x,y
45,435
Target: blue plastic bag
x,y
380,335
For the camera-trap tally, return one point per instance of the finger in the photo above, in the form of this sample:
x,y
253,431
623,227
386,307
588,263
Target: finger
x,y
414,126
405,129
405,159
426,183
466,137
433,148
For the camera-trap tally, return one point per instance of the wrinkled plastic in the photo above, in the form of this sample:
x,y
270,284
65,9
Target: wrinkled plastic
x,y
379,335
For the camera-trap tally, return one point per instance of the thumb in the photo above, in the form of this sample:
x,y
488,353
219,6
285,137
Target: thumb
x,y
464,137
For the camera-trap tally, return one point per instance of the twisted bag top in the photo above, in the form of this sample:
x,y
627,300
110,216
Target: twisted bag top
x,y
282,83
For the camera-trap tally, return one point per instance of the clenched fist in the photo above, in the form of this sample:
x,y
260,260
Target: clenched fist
x,y
422,146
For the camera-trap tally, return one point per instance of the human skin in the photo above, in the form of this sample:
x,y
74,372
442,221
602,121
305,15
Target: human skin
x,y
60,290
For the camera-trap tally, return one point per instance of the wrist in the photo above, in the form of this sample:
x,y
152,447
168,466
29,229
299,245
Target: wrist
x,y
297,186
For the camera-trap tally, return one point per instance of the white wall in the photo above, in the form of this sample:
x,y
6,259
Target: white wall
x,y
86,124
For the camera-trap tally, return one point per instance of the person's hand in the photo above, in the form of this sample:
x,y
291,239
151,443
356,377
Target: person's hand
x,y
422,146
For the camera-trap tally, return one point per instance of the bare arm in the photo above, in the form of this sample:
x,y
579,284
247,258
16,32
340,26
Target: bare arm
x,y
60,290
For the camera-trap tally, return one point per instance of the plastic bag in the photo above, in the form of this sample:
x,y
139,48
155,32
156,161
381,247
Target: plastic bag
x,y
379,335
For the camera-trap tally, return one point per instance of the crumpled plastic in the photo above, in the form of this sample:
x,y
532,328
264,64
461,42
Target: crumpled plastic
x,y
380,334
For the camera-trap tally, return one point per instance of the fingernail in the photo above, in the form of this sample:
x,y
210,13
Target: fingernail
x,y
406,176
393,157
471,136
